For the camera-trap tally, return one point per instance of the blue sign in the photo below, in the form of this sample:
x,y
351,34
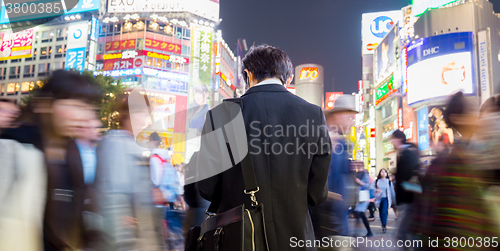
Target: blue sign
x,y
75,59
94,30
423,128
43,9
435,46
381,26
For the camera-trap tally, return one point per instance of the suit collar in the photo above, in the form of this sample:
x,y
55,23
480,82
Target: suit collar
x,y
266,88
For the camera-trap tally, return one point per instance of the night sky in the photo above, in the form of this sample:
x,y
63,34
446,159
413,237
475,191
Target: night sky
x,y
325,32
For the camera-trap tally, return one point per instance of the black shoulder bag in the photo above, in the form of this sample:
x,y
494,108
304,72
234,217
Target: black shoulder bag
x,y
238,229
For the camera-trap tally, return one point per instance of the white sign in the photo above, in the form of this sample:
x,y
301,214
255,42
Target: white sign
x,y
208,9
484,65
443,76
375,26
129,54
77,35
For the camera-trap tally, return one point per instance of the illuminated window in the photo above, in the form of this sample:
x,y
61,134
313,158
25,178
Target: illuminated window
x,y
39,83
26,87
12,88
149,61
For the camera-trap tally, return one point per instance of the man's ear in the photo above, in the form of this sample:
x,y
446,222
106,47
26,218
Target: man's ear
x,y
289,80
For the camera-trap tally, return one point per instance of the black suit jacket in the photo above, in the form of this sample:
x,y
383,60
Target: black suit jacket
x,y
276,120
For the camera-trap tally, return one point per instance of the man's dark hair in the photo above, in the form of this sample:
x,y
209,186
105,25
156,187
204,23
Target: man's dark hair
x,y
154,137
399,135
69,85
265,61
456,106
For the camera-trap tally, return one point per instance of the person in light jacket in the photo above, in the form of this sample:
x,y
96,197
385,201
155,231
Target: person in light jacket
x,y
385,196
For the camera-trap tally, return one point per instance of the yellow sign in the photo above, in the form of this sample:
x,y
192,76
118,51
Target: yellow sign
x,y
112,56
310,73
158,55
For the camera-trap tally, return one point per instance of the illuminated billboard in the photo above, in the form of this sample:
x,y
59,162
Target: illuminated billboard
x,y
439,66
421,6
330,99
375,26
16,45
16,12
208,9
385,56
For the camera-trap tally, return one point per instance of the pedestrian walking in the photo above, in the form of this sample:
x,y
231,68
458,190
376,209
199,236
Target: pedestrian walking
x,y
363,180
330,217
385,196
124,182
288,180
407,169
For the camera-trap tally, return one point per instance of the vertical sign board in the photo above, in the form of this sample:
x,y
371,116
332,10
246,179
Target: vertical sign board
x,y
200,81
94,29
77,46
484,64
423,128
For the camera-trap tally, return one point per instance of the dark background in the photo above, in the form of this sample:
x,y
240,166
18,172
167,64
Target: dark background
x,y
324,32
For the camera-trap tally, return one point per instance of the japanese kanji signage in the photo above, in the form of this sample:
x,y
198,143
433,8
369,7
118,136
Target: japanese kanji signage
x,y
163,46
16,45
120,64
201,56
120,45
77,46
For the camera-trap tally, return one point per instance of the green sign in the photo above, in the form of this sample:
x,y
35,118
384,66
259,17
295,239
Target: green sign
x,y
421,6
384,91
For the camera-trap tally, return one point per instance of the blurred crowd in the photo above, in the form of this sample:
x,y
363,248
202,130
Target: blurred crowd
x,y
66,186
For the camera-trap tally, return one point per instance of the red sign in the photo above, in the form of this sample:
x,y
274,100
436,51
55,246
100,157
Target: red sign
x,y
360,86
120,45
138,62
400,119
163,46
372,132
330,99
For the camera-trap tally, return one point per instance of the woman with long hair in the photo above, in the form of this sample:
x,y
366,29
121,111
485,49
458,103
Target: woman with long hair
x,y
385,195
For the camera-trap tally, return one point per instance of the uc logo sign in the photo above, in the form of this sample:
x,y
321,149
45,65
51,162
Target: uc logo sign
x,y
381,26
309,73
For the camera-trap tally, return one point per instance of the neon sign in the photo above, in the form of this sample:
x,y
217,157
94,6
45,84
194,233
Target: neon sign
x,y
310,73
384,91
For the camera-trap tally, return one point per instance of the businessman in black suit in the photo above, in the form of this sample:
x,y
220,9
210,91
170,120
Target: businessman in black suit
x,y
290,149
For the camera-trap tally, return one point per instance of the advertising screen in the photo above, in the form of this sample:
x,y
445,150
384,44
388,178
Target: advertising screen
x,y
439,66
385,56
17,11
208,9
423,129
16,45
375,26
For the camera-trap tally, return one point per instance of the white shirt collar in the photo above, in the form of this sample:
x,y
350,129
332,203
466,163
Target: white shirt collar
x,y
270,81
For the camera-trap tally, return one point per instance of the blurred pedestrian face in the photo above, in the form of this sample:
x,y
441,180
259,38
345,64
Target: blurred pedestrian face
x,y
70,116
397,143
8,113
343,120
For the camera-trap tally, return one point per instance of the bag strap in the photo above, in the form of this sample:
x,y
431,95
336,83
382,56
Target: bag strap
x,y
247,166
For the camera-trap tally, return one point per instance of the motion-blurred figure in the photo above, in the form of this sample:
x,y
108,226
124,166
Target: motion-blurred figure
x,y
459,209
61,107
362,178
124,183
23,181
330,217
8,113
408,167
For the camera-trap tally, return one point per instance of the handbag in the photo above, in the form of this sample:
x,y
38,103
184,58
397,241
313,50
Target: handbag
x,y
241,228
364,195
